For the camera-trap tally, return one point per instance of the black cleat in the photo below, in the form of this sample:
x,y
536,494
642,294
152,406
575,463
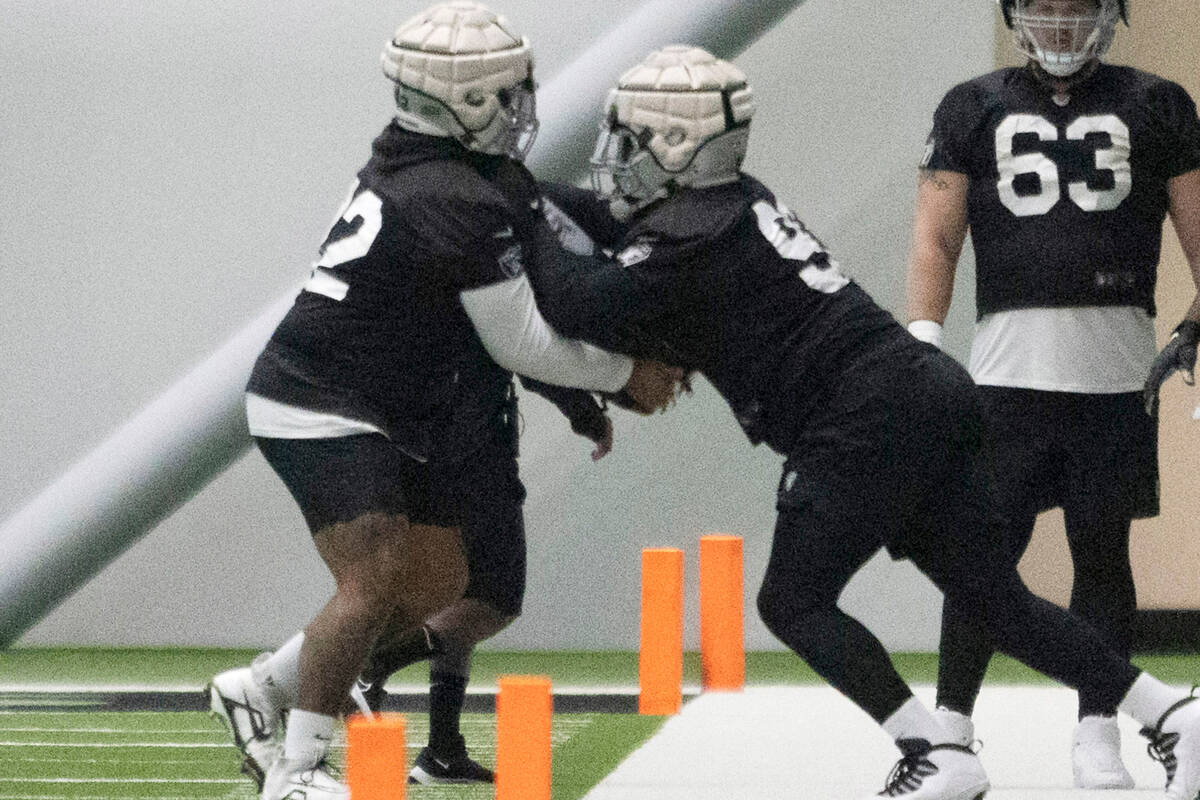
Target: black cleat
x,y
431,769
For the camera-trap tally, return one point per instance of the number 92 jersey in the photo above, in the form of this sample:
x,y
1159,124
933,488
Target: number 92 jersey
x,y
1066,202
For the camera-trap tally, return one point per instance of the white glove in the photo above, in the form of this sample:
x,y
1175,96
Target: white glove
x,y
927,331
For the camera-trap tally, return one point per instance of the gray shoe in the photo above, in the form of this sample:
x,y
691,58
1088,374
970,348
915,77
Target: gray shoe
x,y
254,722
1096,755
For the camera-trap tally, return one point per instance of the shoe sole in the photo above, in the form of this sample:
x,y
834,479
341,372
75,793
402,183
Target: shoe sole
x,y
217,709
420,776
1110,786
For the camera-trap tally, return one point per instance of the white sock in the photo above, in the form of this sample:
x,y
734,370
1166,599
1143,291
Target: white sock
x,y
1148,699
309,736
913,721
279,672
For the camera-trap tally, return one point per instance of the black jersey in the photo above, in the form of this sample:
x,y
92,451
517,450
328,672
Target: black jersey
x,y
379,333
725,281
1066,202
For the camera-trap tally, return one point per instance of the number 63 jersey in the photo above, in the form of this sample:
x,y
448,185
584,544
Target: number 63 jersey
x,y
1066,196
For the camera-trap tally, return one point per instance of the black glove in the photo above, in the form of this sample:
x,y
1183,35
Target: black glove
x,y
1178,355
582,410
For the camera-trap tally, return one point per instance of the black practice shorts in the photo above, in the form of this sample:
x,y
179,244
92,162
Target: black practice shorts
x,y
1094,452
491,499
341,478
338,479
893,456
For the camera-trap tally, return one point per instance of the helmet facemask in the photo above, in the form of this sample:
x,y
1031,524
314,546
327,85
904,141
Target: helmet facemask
x,y
1063,45
623,166
516,124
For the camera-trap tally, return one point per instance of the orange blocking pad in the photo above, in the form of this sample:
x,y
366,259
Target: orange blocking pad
x,y
524,707
375,766
660,663
722,645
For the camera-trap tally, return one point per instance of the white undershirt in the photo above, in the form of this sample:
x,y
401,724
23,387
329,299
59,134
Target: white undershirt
x,y
516,336
1086,349
276,420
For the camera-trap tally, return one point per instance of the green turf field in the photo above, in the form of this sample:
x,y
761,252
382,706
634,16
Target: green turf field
x,y
111,755
85,754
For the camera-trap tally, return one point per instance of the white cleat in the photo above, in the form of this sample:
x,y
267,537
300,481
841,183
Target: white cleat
x,y
938,772
301,780
255,723
1175,742
959,728
1096,755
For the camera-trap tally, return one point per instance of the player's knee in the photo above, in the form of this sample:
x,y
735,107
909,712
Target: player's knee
x,y
426,593
783,608
364,600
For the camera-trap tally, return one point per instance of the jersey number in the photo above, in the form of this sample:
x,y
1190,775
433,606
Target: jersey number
x,y
787,234
1113,159
351,236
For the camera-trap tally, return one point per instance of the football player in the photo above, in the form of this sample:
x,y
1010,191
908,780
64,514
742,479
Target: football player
x,y
390,377
493,530
882,434
1063,171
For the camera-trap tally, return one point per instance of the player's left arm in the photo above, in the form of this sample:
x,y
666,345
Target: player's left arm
x,y
592,297
1179,354
585,414
1184,194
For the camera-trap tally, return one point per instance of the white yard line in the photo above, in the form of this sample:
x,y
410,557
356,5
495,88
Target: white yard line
x,y
770,743
395,688
181,745
223,781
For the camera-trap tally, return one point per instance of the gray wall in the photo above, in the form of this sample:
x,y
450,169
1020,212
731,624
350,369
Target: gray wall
x,y
169,168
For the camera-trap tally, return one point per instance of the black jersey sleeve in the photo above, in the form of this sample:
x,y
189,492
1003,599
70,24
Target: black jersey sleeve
x,y
948,146
1174,111
586,210
595,298
473,241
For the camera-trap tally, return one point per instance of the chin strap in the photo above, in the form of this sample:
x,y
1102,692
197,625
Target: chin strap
x,y
1067,82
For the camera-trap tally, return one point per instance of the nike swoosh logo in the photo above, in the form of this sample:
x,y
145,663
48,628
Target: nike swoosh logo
x,y
507,233
442,764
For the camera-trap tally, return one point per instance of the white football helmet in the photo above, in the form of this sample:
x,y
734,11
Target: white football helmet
x,y
462,71
1062,42
680,118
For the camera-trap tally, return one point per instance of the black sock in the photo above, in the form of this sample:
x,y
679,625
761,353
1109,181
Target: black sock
x,y
417,645
447,692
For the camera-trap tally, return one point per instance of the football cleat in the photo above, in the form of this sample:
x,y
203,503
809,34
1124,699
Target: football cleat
x,y
935,772
1175,743
255,723
959,727
1096,755
433,768
299,780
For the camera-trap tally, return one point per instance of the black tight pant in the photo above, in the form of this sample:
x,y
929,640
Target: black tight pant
x,y
1103,595
813,557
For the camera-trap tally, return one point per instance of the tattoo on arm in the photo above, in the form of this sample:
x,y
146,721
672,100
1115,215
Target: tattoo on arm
x,y
930,176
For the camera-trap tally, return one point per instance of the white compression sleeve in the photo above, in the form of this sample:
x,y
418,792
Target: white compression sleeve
x,y
517,336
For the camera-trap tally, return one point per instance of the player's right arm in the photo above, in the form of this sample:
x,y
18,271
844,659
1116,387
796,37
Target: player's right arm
x,y
940,219
939,230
